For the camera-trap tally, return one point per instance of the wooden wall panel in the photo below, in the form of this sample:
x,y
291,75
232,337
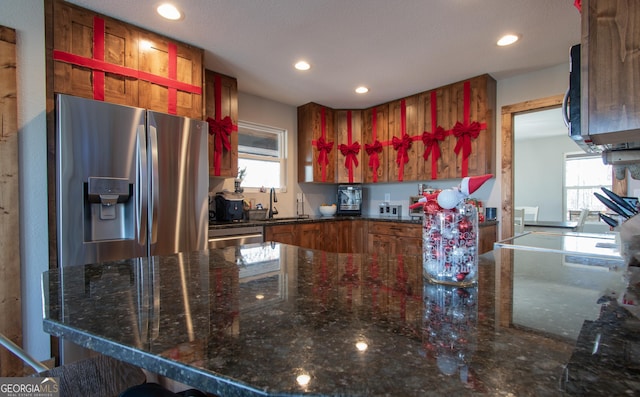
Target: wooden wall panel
x,y
10,307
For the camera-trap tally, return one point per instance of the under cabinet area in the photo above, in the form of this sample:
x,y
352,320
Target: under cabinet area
x,y
364,236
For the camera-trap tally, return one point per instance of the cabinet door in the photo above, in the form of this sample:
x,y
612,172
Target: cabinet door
x,y
348,124
351,236
486,238
609,69
83,44
375,144
174,64
316,144
381,244
332,234
281,233
436,158
310,235
472,105
403,133
221,101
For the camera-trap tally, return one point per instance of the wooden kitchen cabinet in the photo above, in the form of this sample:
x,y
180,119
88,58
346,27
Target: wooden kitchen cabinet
x,y
350,236
403,134
221,111
609,69
310,235
488,234
394,238
97,57
285,234
316,144
433,119
375,145
348,125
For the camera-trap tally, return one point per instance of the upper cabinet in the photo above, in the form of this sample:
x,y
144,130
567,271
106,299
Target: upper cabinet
x,y
316,144
610,63
101,58
348,125
221,112
444,133
375,137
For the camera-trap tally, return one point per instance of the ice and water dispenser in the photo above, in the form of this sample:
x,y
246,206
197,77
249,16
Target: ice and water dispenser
x,y
109,209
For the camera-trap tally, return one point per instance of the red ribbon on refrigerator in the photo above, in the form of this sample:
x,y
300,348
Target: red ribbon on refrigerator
x,y
221,128
466,131
324,147
350,150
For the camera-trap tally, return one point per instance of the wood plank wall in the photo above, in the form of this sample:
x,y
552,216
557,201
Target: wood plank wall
x,y
10,307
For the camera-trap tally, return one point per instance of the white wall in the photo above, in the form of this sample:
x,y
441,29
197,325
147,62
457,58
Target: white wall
x,y
538,176
27,18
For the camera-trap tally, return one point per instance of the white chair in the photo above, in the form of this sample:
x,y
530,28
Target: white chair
x,y
584,213
518,221
530,213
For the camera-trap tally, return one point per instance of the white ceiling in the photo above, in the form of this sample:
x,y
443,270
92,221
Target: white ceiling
x,y
395,47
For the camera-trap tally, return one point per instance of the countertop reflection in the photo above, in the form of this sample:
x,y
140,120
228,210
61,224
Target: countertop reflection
x,y
274,319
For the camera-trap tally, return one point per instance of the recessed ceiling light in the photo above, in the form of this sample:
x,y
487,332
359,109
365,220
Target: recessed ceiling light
x,y
362,90
169,11
507,39
302,65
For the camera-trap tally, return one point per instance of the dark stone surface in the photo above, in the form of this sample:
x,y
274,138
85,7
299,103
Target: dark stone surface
x,y
248,320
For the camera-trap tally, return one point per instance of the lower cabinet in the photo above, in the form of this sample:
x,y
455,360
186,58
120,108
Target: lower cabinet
x,y
364,236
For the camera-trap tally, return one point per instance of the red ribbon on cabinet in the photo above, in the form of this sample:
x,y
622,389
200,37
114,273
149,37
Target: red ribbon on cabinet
x,y
350,150
430,140
466,131
221,128
324,147
99,67
375,148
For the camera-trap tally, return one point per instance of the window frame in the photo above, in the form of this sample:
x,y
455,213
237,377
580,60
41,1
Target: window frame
x,y
569,156
283,139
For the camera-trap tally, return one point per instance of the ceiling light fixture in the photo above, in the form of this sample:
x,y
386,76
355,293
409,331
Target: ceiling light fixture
x,y
169,11
302,65
362,90
507,39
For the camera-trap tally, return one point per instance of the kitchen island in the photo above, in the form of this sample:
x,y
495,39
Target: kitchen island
x,y
276,319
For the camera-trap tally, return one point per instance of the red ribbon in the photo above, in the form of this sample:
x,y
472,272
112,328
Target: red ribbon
x,y
578,4
99,66
323,147
221,128
430,140
98,54
401,145
350,150
466,131
374,148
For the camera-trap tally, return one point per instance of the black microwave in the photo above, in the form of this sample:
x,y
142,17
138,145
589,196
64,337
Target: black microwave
x,y
349,199
571,104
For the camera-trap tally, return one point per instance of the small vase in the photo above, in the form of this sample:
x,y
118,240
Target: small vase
x,y
450,245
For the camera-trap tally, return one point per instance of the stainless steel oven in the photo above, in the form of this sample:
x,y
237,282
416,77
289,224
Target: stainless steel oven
x,y
237,235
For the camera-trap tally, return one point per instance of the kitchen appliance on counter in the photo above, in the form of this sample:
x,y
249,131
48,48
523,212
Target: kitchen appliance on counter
x,y
349,199
130,183
229,206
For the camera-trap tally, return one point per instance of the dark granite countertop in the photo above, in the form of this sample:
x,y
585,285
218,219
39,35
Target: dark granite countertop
x,y
249,320
311,219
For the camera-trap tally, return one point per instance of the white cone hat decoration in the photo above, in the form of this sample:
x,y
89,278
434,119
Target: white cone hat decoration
x,y
449,198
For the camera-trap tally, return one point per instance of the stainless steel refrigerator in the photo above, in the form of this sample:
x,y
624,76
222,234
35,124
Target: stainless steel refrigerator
x,y
130,182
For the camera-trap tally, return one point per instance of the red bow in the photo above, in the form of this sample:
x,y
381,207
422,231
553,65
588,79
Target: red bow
x,y
431,142
373,150
325,149
465,133
221,131
350,152
402,145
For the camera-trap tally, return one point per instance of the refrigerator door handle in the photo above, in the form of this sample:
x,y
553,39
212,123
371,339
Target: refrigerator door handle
x,y
142,186
153,147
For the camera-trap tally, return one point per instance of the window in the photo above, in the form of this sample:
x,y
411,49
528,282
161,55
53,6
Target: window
x,y
584,174
262,152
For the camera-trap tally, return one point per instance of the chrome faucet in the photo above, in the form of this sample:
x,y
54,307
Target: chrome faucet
x,y
272,199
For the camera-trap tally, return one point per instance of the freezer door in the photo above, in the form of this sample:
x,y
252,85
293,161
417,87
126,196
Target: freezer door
x,y
179,191
99,214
